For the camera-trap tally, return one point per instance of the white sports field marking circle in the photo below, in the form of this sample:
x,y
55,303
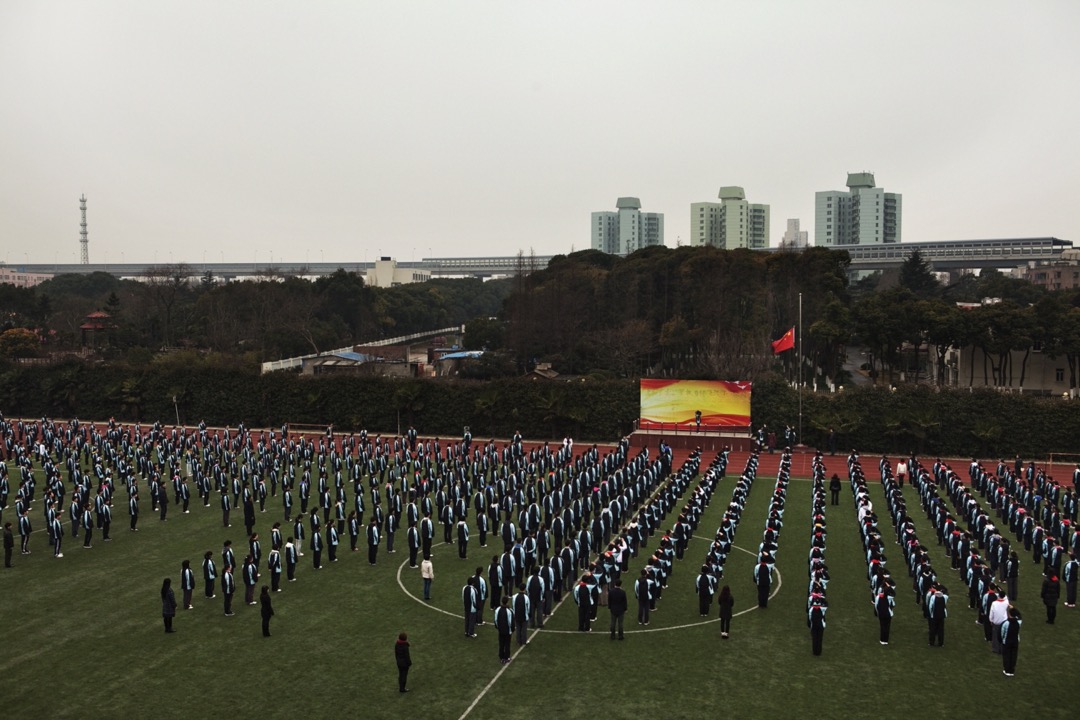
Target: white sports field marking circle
x,y
779,584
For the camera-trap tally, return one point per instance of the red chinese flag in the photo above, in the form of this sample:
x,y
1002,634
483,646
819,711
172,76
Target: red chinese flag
x,y
785,343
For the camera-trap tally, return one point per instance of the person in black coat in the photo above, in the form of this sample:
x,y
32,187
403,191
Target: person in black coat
x,y
1051,592
267,610
835,486
617,606
9,544
726,602
763,580
404,661
815,620
168,604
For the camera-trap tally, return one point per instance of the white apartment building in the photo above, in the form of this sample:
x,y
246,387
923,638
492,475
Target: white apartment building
x,y
627,229
864,215
730,223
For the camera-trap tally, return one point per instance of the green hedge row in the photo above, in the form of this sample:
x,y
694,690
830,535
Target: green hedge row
x,y
918,419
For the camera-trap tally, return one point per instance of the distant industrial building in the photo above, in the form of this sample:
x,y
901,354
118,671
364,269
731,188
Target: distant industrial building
x,y
731,223
864,215
627,229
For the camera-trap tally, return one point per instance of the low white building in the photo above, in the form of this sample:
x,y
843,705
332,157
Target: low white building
x,y
387,273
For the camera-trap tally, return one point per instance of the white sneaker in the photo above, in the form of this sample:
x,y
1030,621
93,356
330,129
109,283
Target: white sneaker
x,y
59,555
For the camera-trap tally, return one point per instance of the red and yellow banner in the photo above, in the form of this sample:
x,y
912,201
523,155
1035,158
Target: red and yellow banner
x,y
675,403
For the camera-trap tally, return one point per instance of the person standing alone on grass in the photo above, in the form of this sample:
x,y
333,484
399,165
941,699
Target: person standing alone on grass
x,y
9,544
267,610
834,487
427,572
403,659
617,606
726,602
168,604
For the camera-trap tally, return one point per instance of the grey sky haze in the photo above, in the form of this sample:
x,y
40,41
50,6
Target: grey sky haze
x,y
343,130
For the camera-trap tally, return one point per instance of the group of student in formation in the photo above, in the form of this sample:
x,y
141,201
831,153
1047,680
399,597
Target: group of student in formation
x,y
567,523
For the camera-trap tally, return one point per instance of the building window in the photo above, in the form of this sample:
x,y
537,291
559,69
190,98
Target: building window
x,y
1059,375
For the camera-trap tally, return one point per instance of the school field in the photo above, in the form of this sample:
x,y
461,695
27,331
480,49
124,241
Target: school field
x,y
82,636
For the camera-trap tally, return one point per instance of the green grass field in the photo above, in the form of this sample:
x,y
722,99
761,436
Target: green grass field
x,y
83,636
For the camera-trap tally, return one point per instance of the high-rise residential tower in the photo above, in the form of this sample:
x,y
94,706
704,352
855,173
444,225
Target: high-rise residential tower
x,y
627,229
730,223
794,237
863,215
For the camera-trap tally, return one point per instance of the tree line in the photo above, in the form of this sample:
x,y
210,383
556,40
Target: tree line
x,y
268,317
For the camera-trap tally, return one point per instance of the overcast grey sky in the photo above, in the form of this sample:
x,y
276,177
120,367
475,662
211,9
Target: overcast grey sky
x,y
309,130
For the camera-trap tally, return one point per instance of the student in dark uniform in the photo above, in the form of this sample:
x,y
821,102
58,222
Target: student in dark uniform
x,y
463,539
25,528
290,559
883,607
584,599
643,593
1010,642
251,576
266,611
404,661
209,573
187,582
522,610
316,549
704,586
168,604
273,564
373,540
469,600
504,626
936,610
228,587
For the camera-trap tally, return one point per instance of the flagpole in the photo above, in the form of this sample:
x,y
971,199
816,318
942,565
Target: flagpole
x,y
799,360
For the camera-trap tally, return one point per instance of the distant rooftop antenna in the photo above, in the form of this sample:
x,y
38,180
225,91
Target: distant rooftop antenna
x,y
85,240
